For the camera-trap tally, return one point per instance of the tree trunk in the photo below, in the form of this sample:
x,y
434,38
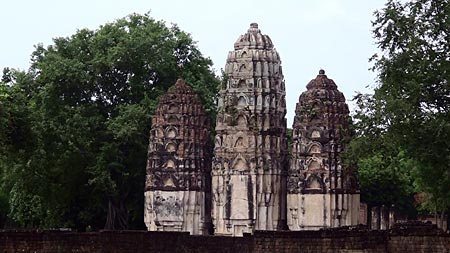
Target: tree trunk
x,y
117,218
441,222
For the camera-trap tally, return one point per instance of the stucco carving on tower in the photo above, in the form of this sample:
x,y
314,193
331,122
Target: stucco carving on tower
x,y
249,166
178,182
322,192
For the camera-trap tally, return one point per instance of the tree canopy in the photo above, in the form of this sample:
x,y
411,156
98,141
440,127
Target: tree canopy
x,y
405,125
74,128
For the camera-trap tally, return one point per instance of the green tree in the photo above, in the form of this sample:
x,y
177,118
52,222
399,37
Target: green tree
x,y
90,104
16,139
385,170
410,108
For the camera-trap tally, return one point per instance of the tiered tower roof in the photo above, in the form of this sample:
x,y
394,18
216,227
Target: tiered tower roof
x,y
321,104
253,39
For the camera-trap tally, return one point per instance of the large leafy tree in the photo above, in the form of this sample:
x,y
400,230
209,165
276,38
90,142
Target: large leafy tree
x,y
15,135
410,108
88,107
385,171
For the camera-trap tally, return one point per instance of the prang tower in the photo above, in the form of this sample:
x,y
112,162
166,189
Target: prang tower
x,y
178,182
322,192
250,154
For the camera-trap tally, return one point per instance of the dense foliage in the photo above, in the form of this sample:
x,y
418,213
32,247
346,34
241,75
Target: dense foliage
x,y
74,128
404,127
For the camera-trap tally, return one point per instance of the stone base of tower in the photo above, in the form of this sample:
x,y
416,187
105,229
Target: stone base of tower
x,y
239,208
318,211
176,211
234,227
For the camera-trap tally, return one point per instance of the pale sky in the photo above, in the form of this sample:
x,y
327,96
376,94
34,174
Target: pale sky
x,y
334,35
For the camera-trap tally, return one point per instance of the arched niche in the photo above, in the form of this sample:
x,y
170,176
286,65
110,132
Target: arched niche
x,y
170,164
313,165
241,121
240,164
171,132
242,101
169,182
172,119
171,147
314,182
239,142
241,84
242,68
315,134
315,149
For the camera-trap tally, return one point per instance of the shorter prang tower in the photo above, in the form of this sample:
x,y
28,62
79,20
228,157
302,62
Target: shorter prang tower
x,y
178,182
322,192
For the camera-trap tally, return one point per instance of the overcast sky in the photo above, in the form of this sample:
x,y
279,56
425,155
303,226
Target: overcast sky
x,y
334,35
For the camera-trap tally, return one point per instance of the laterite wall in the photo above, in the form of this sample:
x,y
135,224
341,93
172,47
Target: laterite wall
x,y
356,241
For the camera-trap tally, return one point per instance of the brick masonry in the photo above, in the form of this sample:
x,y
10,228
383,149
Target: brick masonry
x,y
397,240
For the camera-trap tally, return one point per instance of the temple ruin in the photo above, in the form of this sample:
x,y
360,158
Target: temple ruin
x,y
322,192
249,183
178,182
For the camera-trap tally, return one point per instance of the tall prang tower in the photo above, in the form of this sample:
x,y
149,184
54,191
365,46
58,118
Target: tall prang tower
x,y
250,154
322,191
178,182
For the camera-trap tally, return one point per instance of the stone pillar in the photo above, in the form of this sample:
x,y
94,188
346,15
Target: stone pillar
x,y
391,217
250,153
362,214
375,218
384,218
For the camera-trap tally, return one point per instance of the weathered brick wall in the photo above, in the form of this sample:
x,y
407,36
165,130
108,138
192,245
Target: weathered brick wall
x,y
320,241
419,244
329,241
